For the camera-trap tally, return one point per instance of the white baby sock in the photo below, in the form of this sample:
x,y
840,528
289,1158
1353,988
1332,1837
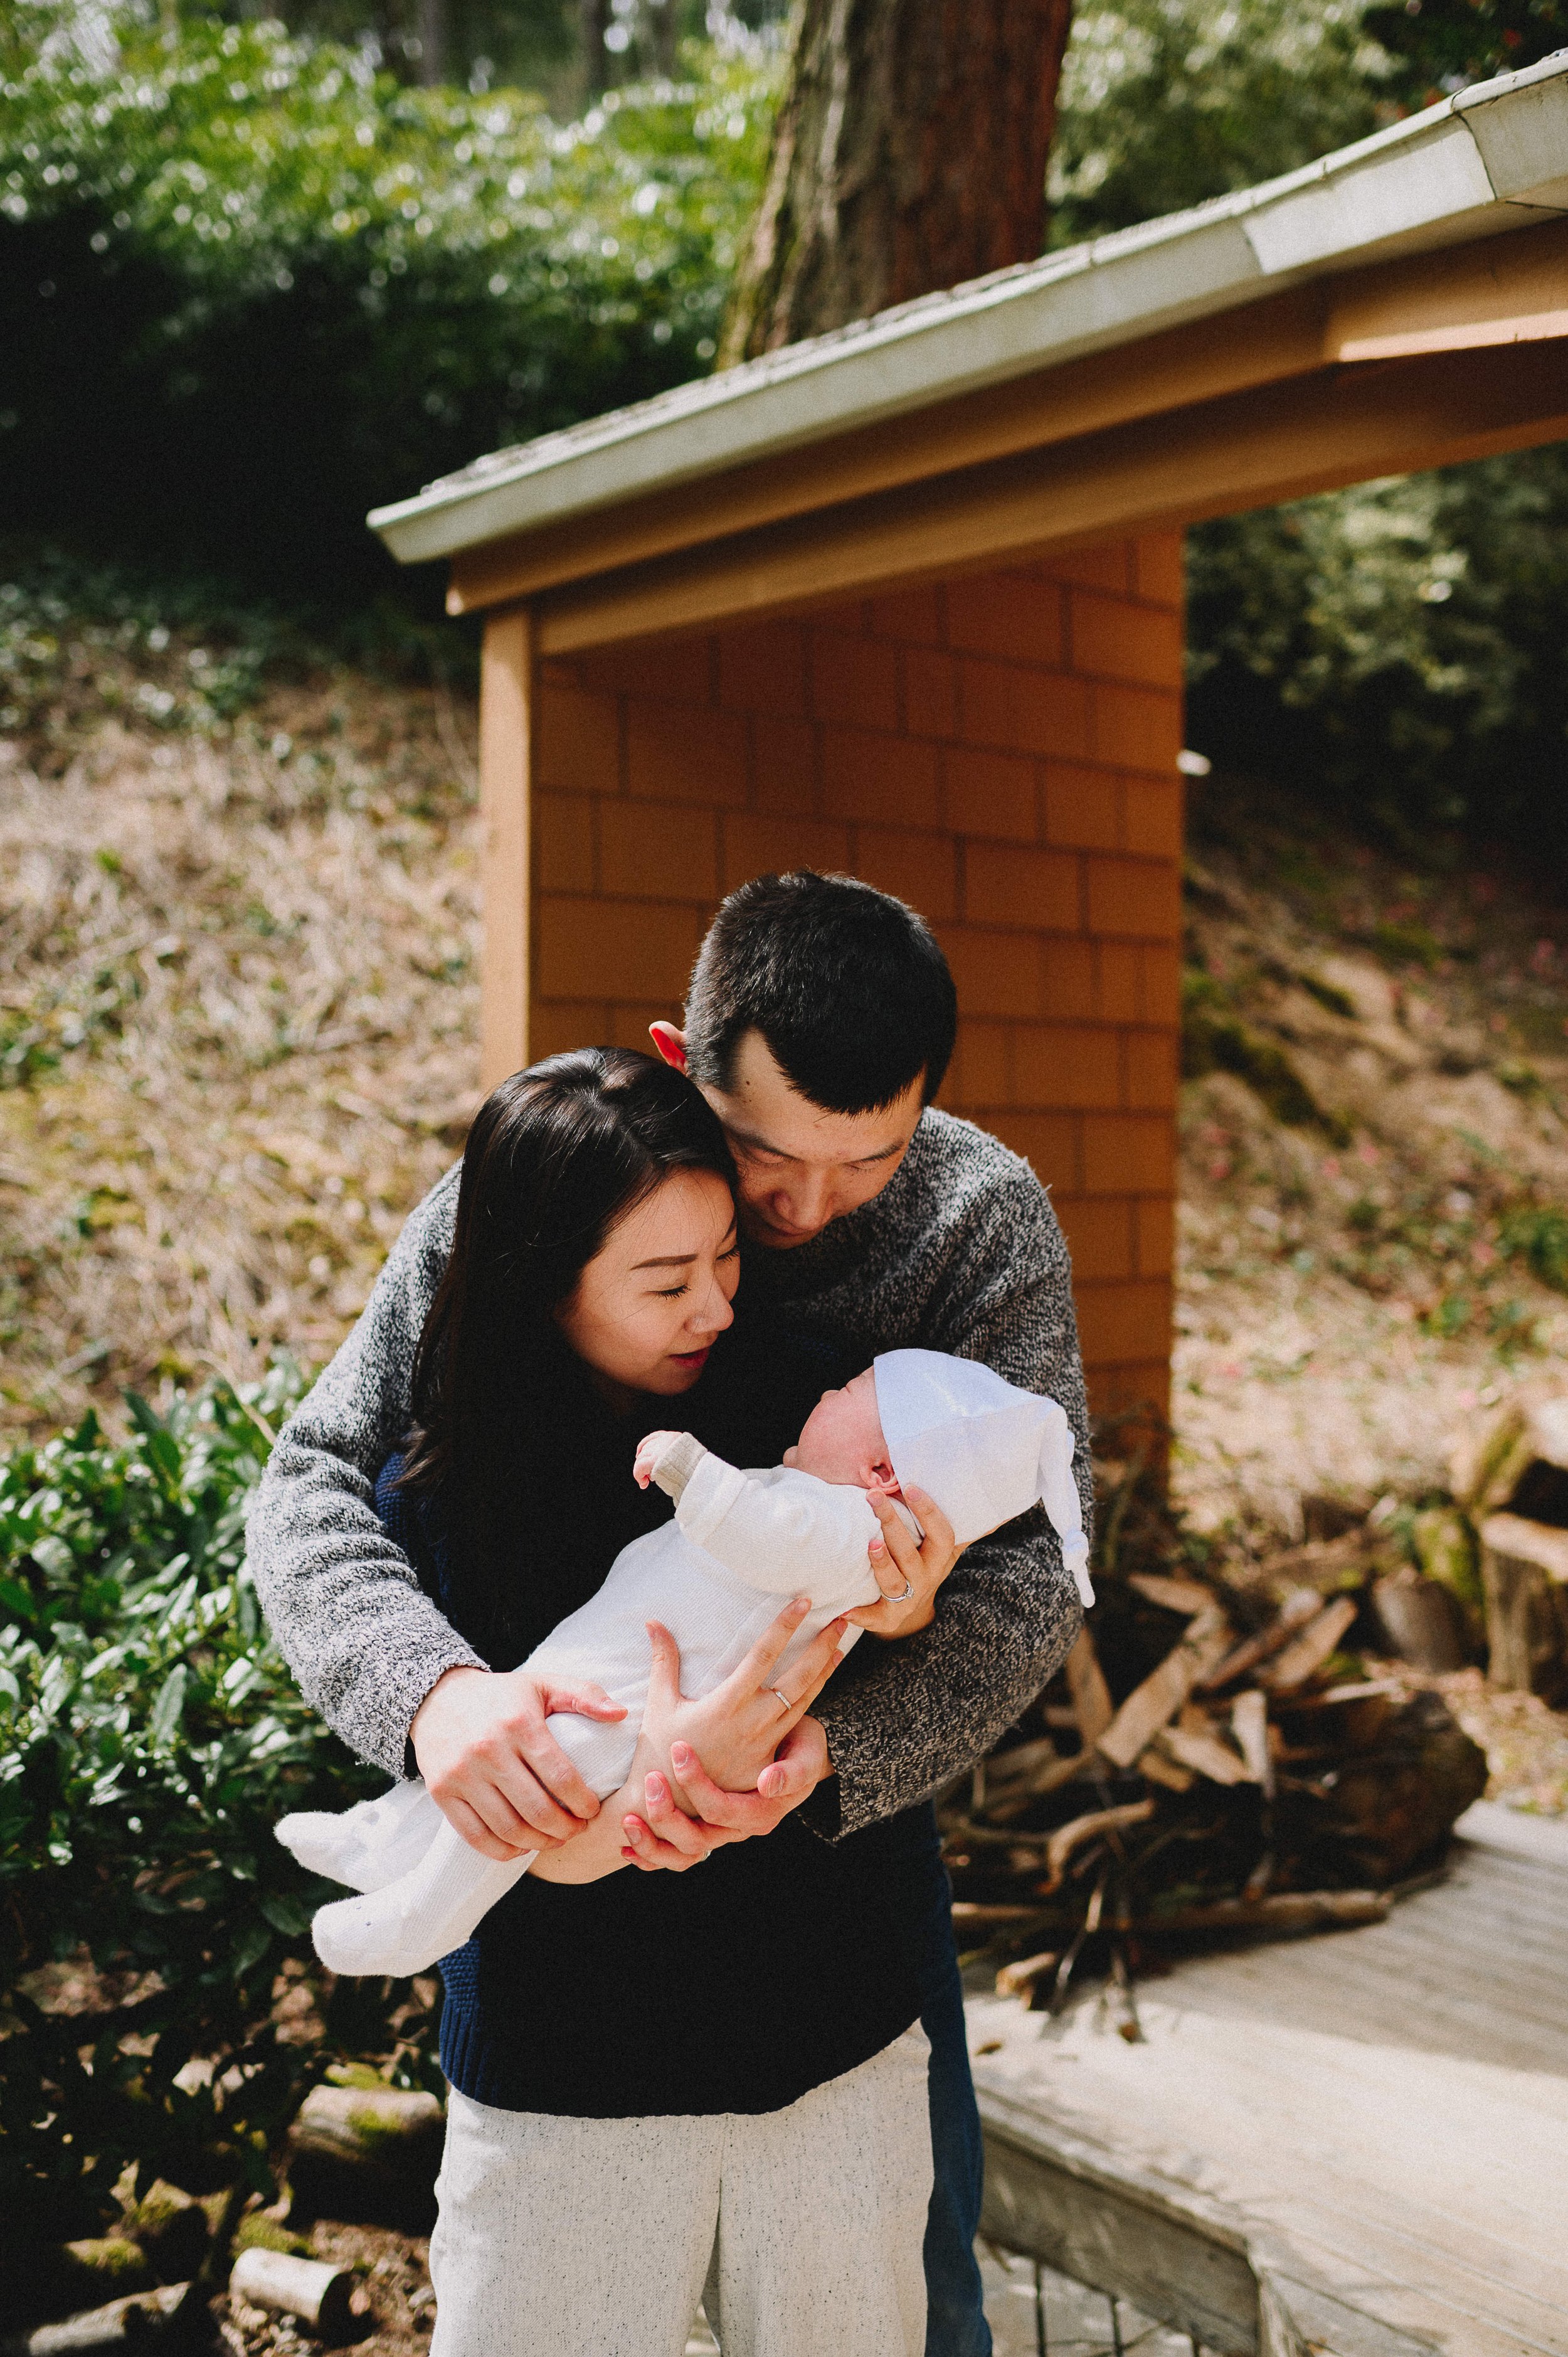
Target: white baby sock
x,y
368,1846
403,1926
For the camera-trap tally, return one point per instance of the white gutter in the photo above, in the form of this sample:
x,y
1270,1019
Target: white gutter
x,y
1488,159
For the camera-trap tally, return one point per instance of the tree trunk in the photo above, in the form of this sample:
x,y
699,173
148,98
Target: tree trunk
x,y
909,155
593,23
432,42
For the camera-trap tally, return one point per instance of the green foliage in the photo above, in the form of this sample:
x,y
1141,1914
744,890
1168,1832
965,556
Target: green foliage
x,y
249,286
1214,1038
1537,1233
1399,645
150,1737
1441,45
1167,102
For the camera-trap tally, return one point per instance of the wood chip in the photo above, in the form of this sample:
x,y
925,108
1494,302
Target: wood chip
x,y
1021,1979
1283,1912
1090,1695
1317,1641
971,1915
1205,1755
1150,1705
1172,1594
1296,1610
1249,1729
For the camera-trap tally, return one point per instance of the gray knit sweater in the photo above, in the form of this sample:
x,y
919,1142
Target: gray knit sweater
x,y
961,1252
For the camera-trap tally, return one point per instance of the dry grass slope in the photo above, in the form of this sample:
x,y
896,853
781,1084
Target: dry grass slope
x,y
237,1029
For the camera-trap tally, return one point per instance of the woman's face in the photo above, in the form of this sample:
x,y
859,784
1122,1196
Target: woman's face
x,y
648,1305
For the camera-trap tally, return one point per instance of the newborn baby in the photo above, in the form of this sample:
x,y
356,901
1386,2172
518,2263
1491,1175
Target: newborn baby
x,y
740,1543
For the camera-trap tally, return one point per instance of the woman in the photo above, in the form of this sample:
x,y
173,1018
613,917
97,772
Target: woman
x,y
649,2072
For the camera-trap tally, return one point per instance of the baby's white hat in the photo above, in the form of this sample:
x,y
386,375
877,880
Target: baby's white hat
x,y
984,1449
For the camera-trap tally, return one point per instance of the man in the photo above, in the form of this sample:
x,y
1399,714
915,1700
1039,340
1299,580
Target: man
x,y
819,1023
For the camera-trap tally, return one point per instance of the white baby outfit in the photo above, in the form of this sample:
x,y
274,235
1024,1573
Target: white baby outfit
x,y
715,1575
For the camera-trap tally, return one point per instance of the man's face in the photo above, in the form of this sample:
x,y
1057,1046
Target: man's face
x,y
800,1166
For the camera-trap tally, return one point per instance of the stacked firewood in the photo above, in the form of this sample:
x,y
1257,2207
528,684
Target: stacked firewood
x,y
1219,1757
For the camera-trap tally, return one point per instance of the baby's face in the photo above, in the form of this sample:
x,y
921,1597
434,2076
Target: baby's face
x,y
842,1440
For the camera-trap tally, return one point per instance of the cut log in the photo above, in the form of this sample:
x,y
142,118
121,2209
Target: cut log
x,y
1160,1769
1308,1651
1524,1577
972,1915
1090,1695
144,2316
1072,1835
1172,1594
1162,1694
1421,1621
1024,1978
320,2296
1297,1609
1249,1726
367,2155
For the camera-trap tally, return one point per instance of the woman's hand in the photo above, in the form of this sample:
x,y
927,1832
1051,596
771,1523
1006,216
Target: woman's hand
x,y
908,1571
665,1836
492,1766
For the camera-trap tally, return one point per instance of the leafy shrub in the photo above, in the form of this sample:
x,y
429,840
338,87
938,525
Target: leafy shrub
x,y
250,286
150,1737
1537,1233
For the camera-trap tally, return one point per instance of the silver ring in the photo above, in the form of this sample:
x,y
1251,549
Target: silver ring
x,y
908,1591
782,1698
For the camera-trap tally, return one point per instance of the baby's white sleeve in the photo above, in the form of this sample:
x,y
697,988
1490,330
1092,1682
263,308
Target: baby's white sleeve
x,y
786,1533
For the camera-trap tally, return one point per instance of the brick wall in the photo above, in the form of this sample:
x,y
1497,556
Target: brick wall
x,y
1000,751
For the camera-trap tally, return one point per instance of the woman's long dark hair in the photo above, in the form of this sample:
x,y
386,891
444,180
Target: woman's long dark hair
x,y
556,1156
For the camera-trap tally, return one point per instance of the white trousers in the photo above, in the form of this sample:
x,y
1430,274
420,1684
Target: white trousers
x,y
594,2238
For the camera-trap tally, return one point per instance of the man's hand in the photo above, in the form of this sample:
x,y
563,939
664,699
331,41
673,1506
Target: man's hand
x,y
648,1451
493,1767
900,1563
667,1837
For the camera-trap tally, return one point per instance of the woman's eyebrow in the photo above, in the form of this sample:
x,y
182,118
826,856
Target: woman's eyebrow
x,y
665,1260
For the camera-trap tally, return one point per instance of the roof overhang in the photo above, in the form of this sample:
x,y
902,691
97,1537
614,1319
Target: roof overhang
x,y
1395,304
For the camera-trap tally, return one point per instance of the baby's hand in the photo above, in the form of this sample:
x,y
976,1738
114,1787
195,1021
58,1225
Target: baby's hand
x,y
647,1452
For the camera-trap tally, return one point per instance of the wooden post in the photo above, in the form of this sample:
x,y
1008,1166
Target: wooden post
x,y
505,696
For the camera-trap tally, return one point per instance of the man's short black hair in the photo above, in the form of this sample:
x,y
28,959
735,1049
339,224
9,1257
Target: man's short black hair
x,y
847,985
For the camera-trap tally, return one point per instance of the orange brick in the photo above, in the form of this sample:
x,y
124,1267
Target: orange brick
x,y
682,668
784,767
1082,807
764,669
1068,983
556,1024
679,753
1162,984
1130,1321
630,1021
996,973
1099,1236
627,949
1128,1153
1117,640
920,868
848,618
930,693
754,846
1013,615
1119,989
649,852
1048,1140
563,841
1154,1230
1107,565
885,778
1159,568
913,616
1139,727
1151,820
1136,1397
854,680
1151,1068
1134,896
989,794
1006,884
1024,711
1066,1065
983,1065
577,742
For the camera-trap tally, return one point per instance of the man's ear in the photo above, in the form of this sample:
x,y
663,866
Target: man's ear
x,y
670,1043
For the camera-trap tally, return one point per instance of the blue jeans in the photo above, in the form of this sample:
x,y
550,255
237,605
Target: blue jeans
x,y
955,2319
